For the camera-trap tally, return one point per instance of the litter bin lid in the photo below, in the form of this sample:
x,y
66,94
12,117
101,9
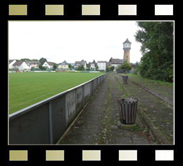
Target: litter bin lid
x,y
128,100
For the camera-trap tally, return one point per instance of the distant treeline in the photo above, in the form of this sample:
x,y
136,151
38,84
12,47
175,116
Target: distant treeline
x,y
27,59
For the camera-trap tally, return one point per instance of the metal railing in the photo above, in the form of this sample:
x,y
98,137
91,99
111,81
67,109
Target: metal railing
x,y
46,121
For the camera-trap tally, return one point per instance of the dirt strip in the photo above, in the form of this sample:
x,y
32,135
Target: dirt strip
x,y
164,98
164,89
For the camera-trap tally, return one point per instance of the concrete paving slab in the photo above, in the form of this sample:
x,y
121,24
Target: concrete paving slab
x,y
98,122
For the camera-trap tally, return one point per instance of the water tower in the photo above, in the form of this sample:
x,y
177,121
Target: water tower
x,y
126,48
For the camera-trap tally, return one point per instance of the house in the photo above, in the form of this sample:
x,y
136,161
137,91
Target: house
x,y
116,63
133,68
21,66
63,65
101,65
108,64
48,64
33,63
11,62
79,63
93,65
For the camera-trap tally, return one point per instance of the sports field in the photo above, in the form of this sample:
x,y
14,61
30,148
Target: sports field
x,y
26,89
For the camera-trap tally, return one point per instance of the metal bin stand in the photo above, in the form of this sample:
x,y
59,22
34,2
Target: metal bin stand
x,y
125,78
127,110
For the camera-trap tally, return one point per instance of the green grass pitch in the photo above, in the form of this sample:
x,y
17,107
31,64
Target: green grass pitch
x,y
26,89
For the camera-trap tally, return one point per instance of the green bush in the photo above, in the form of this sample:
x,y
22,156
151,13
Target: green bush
x,y
126,66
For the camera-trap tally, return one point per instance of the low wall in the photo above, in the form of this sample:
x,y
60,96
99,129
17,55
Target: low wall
x,y
46,121
41,71
89,71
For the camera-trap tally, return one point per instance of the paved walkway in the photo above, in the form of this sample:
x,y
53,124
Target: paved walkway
x,y
98,123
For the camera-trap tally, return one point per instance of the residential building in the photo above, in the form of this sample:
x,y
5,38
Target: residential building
x,y
21,66
33,63
101,65
48,64
133,67
108,64
11,62
116,63
79,63
63,65
93,65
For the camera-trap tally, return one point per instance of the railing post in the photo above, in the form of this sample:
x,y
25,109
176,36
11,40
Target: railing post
x,y
50,123
83,95
65,109
91,90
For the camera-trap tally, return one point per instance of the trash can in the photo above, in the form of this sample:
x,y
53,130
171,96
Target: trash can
x,y
125,78
127,110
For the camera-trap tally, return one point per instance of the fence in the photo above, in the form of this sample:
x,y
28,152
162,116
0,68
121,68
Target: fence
x,y
46,121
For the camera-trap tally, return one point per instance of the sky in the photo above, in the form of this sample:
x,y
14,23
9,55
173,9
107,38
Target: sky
x,y
72,40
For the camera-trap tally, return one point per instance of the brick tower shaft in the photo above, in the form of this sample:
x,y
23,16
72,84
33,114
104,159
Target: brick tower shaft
x,y
127,55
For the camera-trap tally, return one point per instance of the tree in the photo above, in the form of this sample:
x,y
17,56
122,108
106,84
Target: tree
x,y
88,65
157,49
70,66
42,67
126,66
42,60
25,59
32,68
54,66
81,67
107,68
111,68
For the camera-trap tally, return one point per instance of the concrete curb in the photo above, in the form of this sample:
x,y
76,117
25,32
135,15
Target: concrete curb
x,y
154,131
164,98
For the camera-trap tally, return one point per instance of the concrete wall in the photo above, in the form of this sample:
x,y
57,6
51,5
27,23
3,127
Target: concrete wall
x,y
46,121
